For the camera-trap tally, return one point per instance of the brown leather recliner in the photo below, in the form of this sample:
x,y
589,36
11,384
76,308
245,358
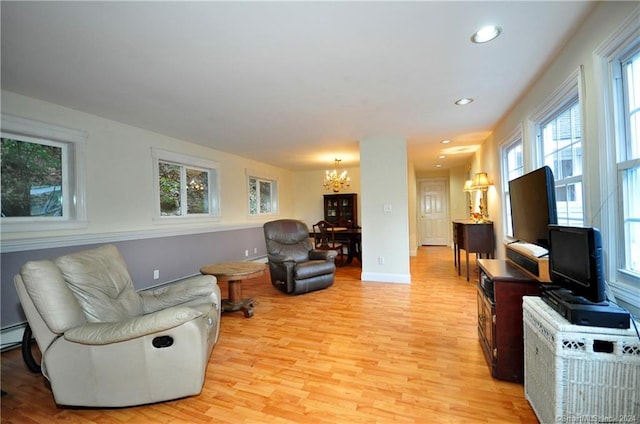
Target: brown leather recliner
x,y
296,267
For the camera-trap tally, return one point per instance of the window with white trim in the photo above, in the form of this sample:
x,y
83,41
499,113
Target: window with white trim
x,y
263,195
559,143
43,185
627,116
185,186
617,68
512,167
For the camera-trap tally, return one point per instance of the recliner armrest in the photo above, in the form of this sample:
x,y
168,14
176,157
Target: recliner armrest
x,y
327,255
101,333
192,288
280,258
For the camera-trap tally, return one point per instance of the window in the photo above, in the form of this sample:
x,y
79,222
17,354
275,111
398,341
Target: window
x,y
628,159
562,151
263,195
559,137
617,68
32,178
185,186
628,162
512,167
42,181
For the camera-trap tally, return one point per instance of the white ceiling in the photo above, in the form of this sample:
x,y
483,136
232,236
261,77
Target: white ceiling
x,y
293,84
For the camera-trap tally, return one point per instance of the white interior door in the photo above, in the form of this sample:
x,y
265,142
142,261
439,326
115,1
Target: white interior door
x,y
434,213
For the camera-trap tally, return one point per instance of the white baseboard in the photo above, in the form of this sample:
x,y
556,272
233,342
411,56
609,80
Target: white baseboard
x,y
12,336
380,277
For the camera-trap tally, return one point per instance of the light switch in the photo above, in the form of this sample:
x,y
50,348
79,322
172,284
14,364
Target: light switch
x,y
387,208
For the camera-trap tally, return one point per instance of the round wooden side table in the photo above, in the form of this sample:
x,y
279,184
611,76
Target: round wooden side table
x,y
234,273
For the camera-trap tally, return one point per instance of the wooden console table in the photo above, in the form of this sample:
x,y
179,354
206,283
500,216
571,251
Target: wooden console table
x,y
234,273
473,238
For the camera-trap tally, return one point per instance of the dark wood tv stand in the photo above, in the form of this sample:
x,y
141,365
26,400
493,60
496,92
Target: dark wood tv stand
x,y
501,287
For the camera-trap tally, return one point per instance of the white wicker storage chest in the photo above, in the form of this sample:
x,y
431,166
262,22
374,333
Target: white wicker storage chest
x,y
578,374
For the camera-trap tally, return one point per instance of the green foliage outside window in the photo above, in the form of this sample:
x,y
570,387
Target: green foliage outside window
x,y
31,179
197,191
173,178
253,196
169,189
265,196
261,196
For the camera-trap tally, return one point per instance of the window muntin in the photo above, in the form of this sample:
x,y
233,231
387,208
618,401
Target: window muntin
x,y
263,196
560,139
185,186
43,182
513,167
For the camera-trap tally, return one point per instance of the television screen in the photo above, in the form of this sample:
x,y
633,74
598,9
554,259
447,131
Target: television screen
x,y
533,206
575,261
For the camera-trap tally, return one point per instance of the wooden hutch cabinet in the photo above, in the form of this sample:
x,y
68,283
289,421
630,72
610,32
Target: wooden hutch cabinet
x,y
500,290
341,209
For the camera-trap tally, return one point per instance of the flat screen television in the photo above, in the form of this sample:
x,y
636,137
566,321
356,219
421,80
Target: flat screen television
x,y
576,262
533,206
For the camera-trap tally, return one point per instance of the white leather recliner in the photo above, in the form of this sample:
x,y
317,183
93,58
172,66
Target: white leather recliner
x,y
105,345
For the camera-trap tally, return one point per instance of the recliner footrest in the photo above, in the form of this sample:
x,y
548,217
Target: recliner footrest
x,y
313,269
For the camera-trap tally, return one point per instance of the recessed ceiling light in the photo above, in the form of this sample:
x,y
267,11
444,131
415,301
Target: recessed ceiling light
x,y
441,157
463,101
485,34
445,141
438,166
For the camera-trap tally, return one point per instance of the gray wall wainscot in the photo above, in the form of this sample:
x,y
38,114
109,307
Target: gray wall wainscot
x,y
175,257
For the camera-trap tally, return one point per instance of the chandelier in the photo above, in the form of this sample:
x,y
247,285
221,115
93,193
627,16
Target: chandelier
x,y
335,182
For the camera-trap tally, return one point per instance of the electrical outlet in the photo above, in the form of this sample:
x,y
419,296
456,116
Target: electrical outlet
x,y
380,260
246,252
255,250
156,274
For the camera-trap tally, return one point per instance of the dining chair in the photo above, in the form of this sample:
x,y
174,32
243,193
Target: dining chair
x,y
324,236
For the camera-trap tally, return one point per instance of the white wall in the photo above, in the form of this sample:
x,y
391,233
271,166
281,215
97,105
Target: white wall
x,y
119,173
385,233
459,200
413,209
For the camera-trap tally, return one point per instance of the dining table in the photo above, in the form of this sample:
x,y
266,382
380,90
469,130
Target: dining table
x,y
350,236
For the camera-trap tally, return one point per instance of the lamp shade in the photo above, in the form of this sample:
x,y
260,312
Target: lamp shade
x,y
481,181
468,185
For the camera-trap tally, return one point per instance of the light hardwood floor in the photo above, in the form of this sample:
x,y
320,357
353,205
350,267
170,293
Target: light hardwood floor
x,y
358,352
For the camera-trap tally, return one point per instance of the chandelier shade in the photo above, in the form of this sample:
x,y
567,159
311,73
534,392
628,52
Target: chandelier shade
x,y
336,181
